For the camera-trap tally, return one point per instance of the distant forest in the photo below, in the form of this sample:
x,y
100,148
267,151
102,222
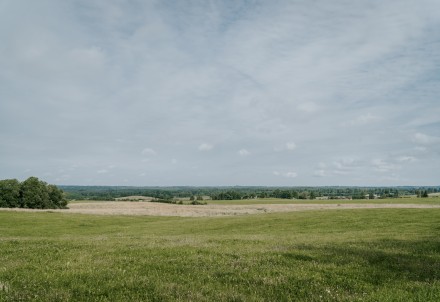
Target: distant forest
x,y
233,193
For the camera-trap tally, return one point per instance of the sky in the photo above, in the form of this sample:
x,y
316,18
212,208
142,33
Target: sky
x,y
220,93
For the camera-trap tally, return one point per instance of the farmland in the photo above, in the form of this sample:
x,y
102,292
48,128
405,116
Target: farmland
x,y
369,254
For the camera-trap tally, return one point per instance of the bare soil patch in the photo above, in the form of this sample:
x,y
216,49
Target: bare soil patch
x,y
162,209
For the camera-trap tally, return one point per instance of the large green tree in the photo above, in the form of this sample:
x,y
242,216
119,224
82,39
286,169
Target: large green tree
x,y
9,193
56,197
31,193
34,194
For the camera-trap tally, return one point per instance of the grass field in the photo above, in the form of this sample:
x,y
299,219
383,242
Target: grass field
x,y
340,255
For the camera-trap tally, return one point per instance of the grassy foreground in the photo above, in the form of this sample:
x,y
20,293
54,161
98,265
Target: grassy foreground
x,y
339,255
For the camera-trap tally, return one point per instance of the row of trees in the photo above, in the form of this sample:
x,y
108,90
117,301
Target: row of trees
x,y
31,193
285,194
422,193
312,193
237,192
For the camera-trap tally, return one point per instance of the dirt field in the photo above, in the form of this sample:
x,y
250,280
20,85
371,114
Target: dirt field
x,y
162,209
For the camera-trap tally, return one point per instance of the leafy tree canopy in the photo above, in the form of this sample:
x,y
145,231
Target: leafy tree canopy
x,y
31,193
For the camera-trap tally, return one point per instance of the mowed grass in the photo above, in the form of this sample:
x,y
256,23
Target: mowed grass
x,y
339,255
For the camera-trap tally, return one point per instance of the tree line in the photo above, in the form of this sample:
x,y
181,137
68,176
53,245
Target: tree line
x,y
237,192
31,193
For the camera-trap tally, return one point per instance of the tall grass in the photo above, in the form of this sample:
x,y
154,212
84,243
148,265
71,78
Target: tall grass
x,y
347,255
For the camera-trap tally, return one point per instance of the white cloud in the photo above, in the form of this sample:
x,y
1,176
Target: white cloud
x,y
291,174
383,166
424,139
205,147
288,174
309,107
319,173
341,172
92,56
345,163
290,146
243,152
393,177
148,152
363,119
102,171
408,159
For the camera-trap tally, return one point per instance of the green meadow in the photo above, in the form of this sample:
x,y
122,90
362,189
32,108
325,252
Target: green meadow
x,y
334,255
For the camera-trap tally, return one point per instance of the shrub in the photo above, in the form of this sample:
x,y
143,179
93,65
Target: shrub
x,y
197,202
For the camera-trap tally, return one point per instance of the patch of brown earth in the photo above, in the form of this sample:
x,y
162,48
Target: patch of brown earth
x,y
163,209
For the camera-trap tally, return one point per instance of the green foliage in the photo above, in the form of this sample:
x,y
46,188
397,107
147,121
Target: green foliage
x,y
302,195
34,194
349,255
9,193
228,195
31,193
285,194
56,197
409,200
235,193
198,202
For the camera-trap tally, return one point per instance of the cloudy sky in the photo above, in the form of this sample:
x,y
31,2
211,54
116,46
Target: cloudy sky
x,y
112,92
